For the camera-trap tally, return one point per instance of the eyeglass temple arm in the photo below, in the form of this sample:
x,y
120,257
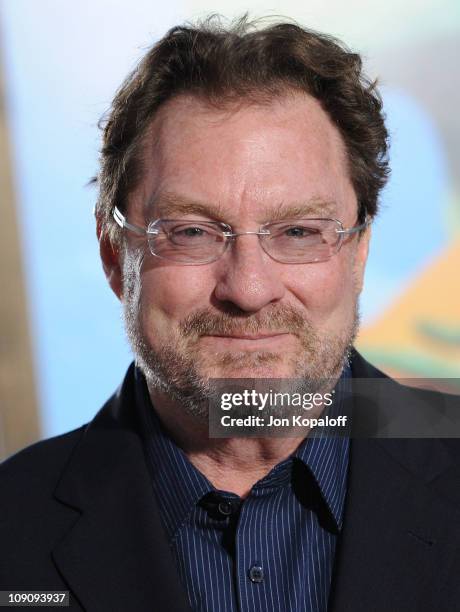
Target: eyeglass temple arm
x,y
121,220
356,228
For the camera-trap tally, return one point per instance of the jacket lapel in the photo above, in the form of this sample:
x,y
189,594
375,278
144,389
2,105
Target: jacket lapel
x,y
400,535
399,538
115,556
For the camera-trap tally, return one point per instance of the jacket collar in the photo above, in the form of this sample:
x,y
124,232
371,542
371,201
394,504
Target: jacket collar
x,y
115,555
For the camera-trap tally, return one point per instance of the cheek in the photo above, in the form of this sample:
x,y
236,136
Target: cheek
x,y
169,294
327,290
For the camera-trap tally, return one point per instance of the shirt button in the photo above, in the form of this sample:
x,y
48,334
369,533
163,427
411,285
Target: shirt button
x,y
256,574
225,508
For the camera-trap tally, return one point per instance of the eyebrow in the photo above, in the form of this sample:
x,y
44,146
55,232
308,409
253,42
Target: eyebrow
x,y
313,208
169,204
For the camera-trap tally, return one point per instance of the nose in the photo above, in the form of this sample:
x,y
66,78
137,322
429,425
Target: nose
x,y
247,277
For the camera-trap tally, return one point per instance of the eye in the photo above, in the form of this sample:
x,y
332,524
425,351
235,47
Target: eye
x,y
190,232
193,233
297,231
301,231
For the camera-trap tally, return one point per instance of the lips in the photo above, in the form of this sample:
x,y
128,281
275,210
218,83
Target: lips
x,y
250,336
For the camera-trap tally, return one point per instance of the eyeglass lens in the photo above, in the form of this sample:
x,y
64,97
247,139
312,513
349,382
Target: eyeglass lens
x,y
289,241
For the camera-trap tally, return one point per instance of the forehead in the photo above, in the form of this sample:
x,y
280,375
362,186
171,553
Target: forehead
x,y
244,159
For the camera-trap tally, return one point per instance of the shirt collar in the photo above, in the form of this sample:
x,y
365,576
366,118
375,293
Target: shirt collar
x,y
326,456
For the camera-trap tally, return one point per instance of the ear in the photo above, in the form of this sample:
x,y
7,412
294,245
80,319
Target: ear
x,y
110,256
360,259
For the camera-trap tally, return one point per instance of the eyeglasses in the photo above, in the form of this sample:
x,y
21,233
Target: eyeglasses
x,y
193,242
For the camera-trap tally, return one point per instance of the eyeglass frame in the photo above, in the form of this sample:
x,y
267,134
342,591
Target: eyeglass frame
x,y
120,219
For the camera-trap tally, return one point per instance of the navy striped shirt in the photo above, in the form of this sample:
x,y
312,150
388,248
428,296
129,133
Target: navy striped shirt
x,y
275,549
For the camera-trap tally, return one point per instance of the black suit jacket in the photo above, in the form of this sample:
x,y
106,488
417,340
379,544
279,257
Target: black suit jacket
x,y
78,513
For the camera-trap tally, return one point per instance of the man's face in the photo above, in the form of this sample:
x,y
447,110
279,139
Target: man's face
x,y
244,315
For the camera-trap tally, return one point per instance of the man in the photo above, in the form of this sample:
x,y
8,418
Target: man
x,y
240,171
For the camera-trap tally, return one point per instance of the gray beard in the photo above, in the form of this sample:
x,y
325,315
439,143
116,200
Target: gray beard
x,y
175,369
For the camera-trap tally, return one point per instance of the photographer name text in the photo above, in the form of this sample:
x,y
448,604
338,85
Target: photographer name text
x,y
292,421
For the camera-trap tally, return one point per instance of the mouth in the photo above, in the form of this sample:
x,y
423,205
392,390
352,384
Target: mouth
x,y
242,341
260,336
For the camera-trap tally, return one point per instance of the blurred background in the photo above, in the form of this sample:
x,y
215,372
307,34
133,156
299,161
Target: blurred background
x,y
62,346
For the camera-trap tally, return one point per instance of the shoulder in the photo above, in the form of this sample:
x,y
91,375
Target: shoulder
x,y
31,520
387,408
365,371
35,470
42,453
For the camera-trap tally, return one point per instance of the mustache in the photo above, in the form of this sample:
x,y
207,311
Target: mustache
x,y
282,319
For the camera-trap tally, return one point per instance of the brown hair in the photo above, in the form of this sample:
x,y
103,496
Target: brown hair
x,y
237,63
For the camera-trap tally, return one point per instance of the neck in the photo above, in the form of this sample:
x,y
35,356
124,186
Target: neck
x,y
230,464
